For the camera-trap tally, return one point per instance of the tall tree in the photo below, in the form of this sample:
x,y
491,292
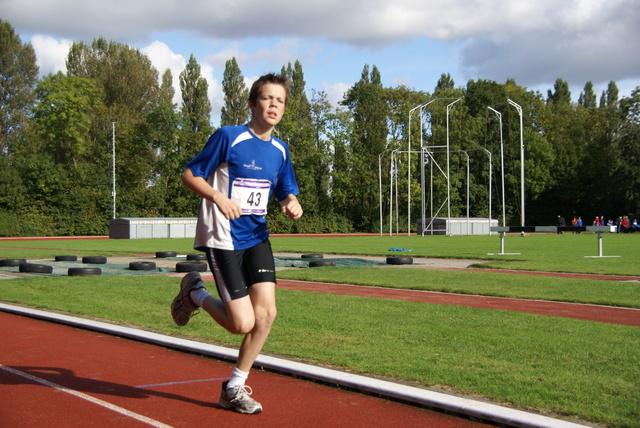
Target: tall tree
x,y
125,75
444,83
366,100
167,92
628,178
195,100
588,97
235,110
561,93
609,97
296,128
18,76
64,114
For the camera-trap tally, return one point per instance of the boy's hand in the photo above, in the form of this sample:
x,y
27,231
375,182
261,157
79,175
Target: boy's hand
x,y
229,209
291,207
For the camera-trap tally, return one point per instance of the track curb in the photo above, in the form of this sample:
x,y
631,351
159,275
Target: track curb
x,y
435,400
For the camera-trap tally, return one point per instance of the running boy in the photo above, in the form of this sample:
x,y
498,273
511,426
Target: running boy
x,y
235,174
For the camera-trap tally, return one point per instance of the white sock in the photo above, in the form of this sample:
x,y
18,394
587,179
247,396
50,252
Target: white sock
x,y
198,296
238,377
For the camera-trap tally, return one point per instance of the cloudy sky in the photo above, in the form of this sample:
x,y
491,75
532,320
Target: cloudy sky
x,y
412,42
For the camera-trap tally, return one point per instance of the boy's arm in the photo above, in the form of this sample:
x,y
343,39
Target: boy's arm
x,y
291,207
200,187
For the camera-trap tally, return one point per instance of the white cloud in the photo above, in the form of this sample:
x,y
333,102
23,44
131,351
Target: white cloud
x,y
534,42
585,40
215,90
163,58
51,53
335,91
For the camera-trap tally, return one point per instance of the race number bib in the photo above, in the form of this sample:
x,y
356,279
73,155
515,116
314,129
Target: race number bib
x,y
251,195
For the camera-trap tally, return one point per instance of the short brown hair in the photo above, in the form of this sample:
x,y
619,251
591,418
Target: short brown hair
x,y
276,79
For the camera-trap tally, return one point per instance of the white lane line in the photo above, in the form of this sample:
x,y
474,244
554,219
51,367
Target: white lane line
x,y
83,396
181,382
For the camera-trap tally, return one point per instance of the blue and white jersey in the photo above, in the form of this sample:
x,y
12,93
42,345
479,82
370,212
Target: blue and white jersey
x,y
248,170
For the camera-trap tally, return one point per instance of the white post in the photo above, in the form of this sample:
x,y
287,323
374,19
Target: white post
x,y
380,186
490,171
409,171
468,187
521,158
113,165
504,215
448,231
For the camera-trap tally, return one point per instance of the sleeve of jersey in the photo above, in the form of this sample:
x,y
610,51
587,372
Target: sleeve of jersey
x,y
287,183
211,156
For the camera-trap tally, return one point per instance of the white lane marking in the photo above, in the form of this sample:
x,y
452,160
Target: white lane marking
x,y
181,382
83,396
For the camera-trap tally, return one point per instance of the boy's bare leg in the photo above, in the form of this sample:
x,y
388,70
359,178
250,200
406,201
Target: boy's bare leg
x,y
236,316
263,301
252,315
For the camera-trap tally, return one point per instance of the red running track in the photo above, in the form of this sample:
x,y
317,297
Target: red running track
x,y
599,313
54,375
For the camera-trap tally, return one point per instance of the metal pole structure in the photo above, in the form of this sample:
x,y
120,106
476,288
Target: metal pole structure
x,y
409,170
490,170
468,189
380,186
113,165
468,175
391,181
504,215
517,106
448,230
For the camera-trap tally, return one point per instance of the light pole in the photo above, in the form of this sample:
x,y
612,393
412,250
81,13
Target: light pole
x,y
517,106
448,176
490,170
113,165
501,164
380,184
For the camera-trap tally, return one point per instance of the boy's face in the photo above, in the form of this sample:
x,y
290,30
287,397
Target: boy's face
x,y
269,107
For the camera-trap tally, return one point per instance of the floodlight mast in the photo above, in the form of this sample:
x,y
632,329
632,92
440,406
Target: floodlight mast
x,y
490,194
517,106
504,215
113,165
448,232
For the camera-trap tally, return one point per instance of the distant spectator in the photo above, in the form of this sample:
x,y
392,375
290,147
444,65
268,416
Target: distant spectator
x,y
619,225
560,223
625,224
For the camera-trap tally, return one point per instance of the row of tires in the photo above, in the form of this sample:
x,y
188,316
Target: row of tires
x,y
390,260
194,263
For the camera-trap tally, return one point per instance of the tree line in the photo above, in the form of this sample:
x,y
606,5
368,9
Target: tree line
x,y
353,162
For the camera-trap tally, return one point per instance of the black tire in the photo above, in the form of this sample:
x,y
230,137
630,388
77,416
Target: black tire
x,y
142,266
399,260
66,258
35,268
84,271
318,263
94,260
12,262
165,254
312,256
196,257
191,267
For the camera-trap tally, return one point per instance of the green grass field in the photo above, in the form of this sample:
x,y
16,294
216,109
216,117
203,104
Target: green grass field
x,y
576,369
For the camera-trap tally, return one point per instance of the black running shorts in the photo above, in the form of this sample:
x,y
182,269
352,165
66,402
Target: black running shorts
x,y
236,270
